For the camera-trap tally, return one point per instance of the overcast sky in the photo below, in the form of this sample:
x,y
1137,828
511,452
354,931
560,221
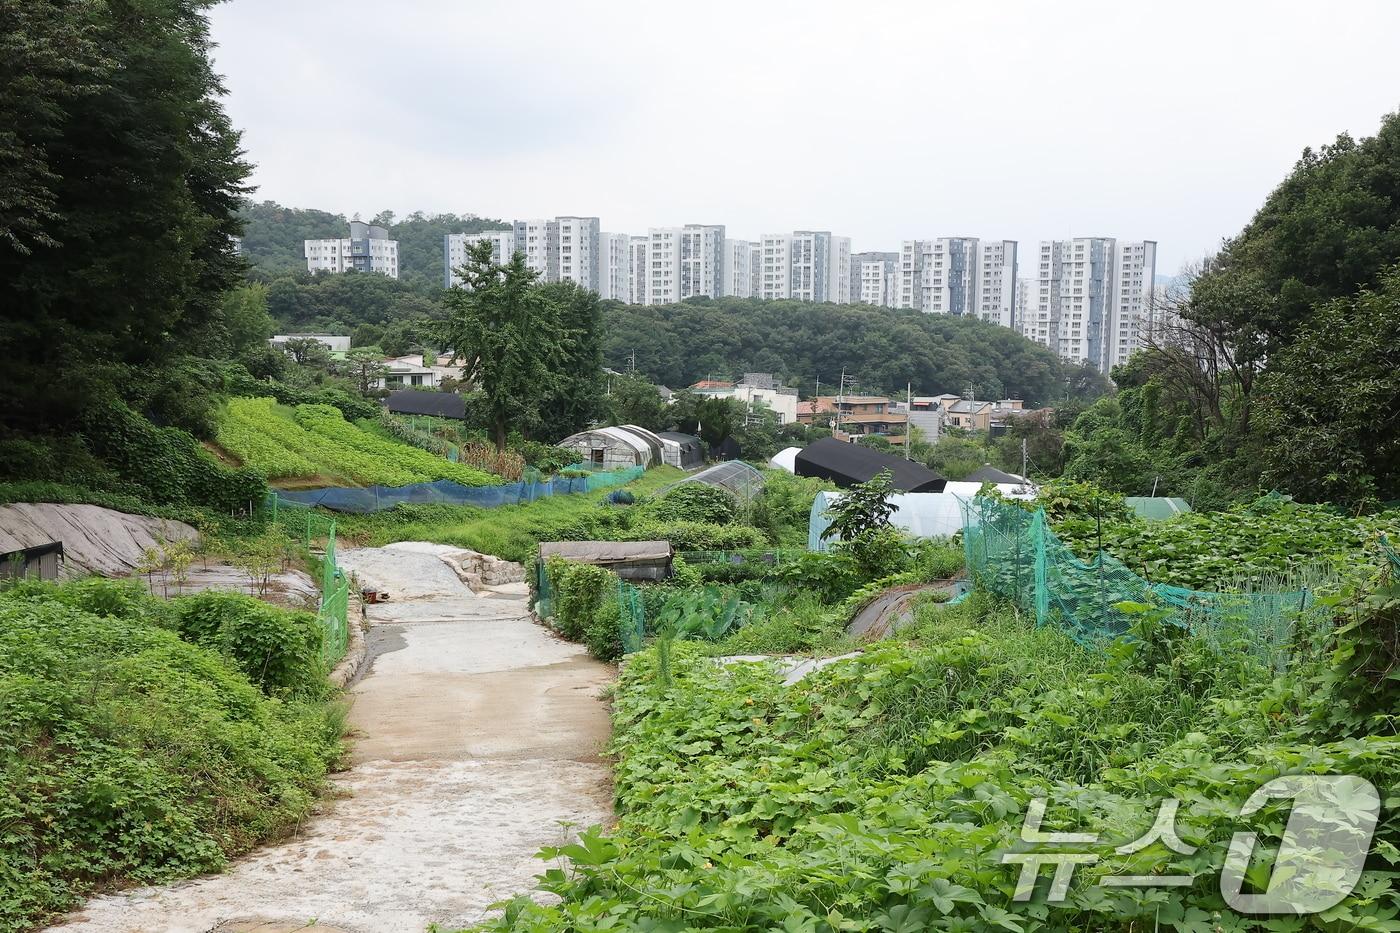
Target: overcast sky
x,y
881,121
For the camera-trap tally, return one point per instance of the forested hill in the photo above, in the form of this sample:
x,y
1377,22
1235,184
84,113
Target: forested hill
x,y
273,239
885,349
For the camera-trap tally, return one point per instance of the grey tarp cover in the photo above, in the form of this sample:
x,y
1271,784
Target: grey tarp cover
x,y
607,552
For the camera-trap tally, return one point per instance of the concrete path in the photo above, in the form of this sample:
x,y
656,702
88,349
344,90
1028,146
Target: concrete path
x,y
477,733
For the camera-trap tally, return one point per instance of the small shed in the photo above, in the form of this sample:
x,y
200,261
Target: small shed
x,y
682,450
417,402
848,465
615,447
630,560
42,562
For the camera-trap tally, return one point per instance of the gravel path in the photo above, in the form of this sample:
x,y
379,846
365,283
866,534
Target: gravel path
x,y
477,733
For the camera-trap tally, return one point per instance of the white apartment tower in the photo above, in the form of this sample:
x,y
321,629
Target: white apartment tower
x,y
1094,299
685,262
456,245
565,249
960,276
995,301
1134,299
615,266
875,279
909,292
367,249
638,249
807,265
775,264
738,281
949,276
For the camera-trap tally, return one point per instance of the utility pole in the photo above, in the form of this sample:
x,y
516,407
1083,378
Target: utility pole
x,y
1023,459
908,407
632,362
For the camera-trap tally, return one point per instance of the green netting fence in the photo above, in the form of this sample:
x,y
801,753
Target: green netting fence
x,y
1013,553
310,527
775,557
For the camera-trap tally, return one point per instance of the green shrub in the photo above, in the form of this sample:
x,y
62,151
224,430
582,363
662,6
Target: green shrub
x,y
580,590
603,635
131,756
697,536
832,577
168,465
278,649
695,502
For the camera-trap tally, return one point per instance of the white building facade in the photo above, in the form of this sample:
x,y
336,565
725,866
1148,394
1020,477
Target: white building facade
x,y
564,249
807,265
456,245
875,279
995,301
685,262
639,251
367,249
615,266
737,279
1094,299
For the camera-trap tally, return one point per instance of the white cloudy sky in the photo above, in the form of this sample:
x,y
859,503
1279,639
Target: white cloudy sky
x,y
1167,120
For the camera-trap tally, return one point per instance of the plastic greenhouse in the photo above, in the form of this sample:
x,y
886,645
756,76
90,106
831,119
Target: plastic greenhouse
x,y
920,514
740,479
785,459
611,448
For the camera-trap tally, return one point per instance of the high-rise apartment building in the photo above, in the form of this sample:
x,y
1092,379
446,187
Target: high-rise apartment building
x,y
615,266
910,288
685,262
807,265
565,249
367,249
950,276
1093,299
737,279
959,276
755,268
456,245
1134,294
775,263
995,301
639,249
875,279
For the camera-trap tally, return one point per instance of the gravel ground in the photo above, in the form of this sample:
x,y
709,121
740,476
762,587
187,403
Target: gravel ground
x,y
477,734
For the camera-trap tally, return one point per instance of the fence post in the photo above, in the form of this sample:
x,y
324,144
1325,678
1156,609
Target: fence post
x,y
1042,582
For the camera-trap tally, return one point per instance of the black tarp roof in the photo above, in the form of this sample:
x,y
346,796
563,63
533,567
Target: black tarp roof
x,y
990,474
415,402
848,464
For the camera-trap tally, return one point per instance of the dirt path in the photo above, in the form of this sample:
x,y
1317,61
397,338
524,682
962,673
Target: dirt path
x,y
477,733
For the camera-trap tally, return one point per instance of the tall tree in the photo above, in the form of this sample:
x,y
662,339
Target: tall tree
x,y
576,400
504,332
118,230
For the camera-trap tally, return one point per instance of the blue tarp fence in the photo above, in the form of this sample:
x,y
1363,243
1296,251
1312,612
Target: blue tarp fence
x,y
364,499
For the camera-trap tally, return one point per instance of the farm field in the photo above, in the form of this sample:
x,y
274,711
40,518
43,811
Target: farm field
x,y
315,441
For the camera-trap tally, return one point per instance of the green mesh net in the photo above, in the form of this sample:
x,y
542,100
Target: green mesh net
x,y
1014,554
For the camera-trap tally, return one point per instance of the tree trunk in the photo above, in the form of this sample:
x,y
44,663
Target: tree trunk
x,y
500,435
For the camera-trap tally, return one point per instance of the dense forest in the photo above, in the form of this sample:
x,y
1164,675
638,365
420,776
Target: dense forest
x,y
884,349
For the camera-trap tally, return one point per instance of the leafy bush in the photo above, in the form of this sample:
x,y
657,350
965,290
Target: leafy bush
x,y
603,635
695,502
830,576
131,756
697,536
578,593
544,457
278,649
784,509
168,465
327,422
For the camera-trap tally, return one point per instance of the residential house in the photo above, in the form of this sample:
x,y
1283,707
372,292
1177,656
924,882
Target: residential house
x,y
754,388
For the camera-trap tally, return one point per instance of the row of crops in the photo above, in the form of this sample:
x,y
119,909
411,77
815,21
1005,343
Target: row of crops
x,y
315,441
